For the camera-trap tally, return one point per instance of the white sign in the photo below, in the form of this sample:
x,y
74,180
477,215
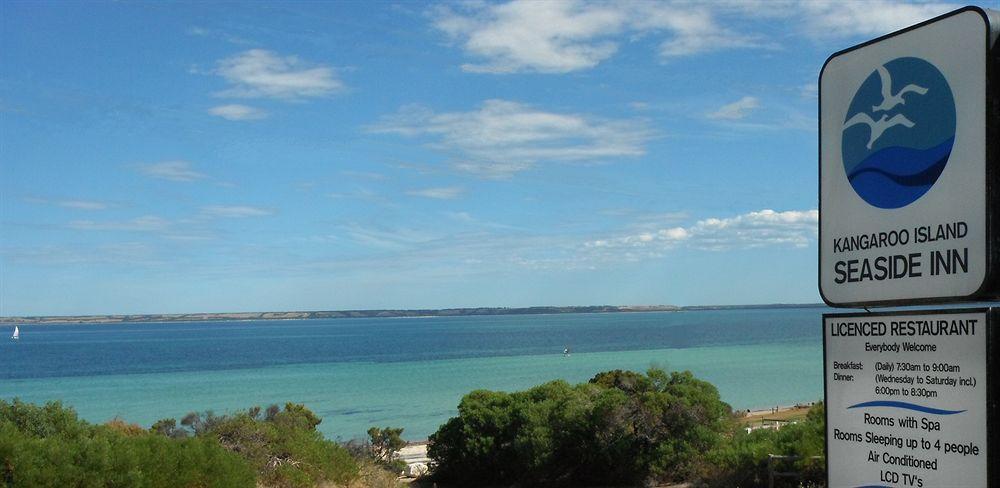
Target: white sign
x,y
903,165
906,399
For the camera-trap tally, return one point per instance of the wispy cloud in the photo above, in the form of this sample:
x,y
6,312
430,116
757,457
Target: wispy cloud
x,y
238,112
258,73
796,228
124,254
830,18
83,204
195,228
171,170
809,90
75,204
234,211
439,193
464,217
482,247
389,238
549,37
692,29
146,223
364,194
736,110
502,138
200,31
366,175
560,36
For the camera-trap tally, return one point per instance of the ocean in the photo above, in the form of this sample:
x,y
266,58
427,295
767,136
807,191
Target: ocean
x,y
400,372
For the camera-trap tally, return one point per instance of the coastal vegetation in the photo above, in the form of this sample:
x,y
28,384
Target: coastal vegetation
x,y
383,444
281,445
621,428
275,447
741,461
49,446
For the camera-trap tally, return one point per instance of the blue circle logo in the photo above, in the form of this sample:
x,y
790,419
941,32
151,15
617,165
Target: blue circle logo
x,y
899,132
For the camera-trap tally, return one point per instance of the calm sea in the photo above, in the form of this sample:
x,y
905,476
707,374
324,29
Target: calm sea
x,y
405,372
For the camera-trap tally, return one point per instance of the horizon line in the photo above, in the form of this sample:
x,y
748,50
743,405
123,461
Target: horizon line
x,y
409,312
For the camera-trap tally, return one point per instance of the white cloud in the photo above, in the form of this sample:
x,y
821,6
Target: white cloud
x,y
550,37
364,194
809,90
125,253
185,229
394,238
464,217
218,34
366,175
560,36
238,112
439,193
258,73
146,223
171,170
736,110
826,18
693,29
83,204
473,246
73,204
502,137
234,211
754,229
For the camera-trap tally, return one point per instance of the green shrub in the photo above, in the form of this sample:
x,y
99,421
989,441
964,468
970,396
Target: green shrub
x,y
385,442
741,462
620,428
50,446
283,446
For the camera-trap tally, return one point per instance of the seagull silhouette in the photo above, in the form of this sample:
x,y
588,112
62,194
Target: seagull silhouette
x,y
888,99
879,126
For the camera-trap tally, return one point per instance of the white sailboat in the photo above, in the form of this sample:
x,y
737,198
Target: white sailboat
x,y
16,335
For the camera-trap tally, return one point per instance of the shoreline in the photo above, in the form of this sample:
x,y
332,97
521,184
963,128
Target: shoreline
x,y
111,319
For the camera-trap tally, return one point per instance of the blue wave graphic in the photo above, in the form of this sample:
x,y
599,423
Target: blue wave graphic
x,y
905,406
894,177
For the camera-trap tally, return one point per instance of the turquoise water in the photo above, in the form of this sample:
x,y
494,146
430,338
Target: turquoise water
x,y
143,372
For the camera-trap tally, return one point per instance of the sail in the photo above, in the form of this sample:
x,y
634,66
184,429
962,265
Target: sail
x,y
17,333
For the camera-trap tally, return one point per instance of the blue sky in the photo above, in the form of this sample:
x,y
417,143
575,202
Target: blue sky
x,y
188,156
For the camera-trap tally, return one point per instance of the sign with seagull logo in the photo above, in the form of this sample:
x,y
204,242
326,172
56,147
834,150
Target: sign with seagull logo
x,y
909,142
911,151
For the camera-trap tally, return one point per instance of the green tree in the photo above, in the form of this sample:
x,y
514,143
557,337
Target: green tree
x,y
741,462
49,446
619,428
385,443
283,446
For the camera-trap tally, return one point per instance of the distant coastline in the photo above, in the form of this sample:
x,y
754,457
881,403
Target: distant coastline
x,y
341,314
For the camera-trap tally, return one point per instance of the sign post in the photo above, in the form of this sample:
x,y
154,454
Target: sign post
x,y
909,399
908,165
909,185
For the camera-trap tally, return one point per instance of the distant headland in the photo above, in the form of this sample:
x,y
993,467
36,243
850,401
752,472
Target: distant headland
x,y
342,314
